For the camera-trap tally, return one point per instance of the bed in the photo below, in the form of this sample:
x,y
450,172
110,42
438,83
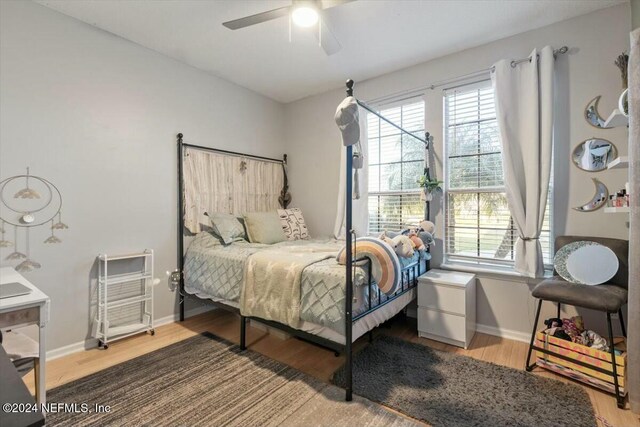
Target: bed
x,y
214,271
333,303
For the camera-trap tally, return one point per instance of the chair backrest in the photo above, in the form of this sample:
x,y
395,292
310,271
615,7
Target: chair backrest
x,y
619,246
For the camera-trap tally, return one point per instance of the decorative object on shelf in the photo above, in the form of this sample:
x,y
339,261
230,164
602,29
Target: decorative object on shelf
x,y
36,201
622,62
429,187
586,263
623,103
620,199
594,154
599,198
592,116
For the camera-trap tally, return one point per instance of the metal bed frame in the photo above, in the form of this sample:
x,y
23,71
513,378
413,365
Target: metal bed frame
x,y
409,274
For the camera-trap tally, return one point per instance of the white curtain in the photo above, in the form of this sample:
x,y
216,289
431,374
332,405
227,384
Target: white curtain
x,y
216,182
524,108
360,216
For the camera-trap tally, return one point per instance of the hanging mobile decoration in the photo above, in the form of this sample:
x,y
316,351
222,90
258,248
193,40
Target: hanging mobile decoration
x,y
16,254
52,238
4,243
37,202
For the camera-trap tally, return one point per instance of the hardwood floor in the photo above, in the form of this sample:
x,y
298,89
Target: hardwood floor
x,y
306,357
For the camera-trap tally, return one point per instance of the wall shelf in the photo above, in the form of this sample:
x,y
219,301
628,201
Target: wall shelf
x,y
611,209
619,163
616,120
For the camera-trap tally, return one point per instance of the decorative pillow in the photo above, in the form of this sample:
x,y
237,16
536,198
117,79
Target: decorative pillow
x,y
264,227
226,226
293,224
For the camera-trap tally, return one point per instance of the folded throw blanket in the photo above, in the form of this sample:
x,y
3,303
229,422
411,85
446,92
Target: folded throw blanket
x,y
272,277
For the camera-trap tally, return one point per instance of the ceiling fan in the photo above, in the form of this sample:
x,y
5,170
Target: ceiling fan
x,y
303,13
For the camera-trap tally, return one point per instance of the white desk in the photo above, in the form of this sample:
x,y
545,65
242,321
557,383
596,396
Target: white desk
x,y
25,310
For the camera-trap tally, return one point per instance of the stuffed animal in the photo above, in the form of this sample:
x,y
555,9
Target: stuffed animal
x,y
401,244
392,234
427,238
553,322
417,242
385,238
428,226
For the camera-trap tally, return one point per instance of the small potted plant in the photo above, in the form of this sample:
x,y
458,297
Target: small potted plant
x,y
622,62
429,187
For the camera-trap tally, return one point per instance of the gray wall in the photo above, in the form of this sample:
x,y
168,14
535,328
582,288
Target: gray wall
x,y
97,115
503,302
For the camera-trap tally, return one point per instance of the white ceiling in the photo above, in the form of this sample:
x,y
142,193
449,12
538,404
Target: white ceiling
x,y
377,36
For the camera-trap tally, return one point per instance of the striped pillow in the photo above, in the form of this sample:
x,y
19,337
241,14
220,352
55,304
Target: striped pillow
x,y
385,265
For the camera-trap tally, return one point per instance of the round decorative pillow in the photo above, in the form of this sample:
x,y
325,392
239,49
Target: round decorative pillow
x,y
385,265
586,263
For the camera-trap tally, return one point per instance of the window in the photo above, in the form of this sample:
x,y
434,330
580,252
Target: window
x,y
396,161
478,225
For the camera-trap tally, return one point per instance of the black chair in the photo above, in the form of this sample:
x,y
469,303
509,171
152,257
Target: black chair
x,y
608,298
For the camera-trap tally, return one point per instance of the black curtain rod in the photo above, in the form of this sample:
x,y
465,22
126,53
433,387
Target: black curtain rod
x,y
349,84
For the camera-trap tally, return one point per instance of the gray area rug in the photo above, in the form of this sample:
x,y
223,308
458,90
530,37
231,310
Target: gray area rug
x,y
207,381
446,389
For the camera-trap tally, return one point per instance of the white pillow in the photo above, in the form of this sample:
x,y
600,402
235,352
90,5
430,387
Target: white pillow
x,y
293,224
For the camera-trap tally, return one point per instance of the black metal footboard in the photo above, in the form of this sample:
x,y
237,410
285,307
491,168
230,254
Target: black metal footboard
x,y
409,280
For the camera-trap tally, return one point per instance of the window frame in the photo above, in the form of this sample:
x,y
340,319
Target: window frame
x,y
374,221
482,263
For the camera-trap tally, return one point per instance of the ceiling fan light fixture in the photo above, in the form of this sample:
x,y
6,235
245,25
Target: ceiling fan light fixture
x,y
305,15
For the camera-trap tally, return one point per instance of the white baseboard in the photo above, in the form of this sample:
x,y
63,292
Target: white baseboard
x,y
93,342
503,333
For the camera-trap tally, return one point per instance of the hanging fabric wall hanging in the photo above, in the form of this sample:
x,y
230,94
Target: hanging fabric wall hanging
x,y
28,201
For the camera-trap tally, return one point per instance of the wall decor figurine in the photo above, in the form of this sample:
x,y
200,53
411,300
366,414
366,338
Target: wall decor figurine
x,y
28,201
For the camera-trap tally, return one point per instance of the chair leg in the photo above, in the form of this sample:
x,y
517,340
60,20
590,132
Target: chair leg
x,y
624,330
619,398
559,308
529,367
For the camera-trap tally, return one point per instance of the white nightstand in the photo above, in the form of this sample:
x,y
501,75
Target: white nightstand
x,y
447,307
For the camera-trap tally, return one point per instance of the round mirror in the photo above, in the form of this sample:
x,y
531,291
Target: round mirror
x,y
594,154
586,263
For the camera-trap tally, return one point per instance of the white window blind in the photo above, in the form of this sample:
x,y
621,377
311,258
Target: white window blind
x,y
478,225
396,161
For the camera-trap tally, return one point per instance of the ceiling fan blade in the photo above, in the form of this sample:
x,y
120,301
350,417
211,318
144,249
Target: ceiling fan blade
x,y
326,4
247,21
327,39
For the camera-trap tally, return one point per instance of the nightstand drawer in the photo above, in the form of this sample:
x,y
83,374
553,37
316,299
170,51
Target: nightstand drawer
x,y
441,297
442,324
